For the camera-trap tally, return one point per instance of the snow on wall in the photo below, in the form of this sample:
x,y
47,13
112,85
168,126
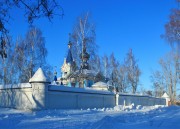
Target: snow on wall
x,y
78,90
20,85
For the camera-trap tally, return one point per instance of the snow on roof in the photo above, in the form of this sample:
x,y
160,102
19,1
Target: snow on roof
x,y
39,76
100,84
165,95
79,90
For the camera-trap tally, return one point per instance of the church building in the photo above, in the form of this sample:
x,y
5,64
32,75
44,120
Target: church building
x,y
73,77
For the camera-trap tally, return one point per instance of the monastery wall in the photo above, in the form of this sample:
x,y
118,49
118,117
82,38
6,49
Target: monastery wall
x,y
79,98
38,96
128,99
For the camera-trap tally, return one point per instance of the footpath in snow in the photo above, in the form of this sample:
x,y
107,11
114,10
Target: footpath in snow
x,y
111,118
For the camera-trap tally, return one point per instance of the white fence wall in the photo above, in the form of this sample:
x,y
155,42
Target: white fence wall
x,y
43,96
77,98
125,99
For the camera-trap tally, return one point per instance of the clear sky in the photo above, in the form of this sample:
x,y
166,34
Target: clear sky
x,y
120,25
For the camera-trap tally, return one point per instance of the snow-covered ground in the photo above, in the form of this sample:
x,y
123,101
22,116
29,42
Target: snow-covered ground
x,y
113,118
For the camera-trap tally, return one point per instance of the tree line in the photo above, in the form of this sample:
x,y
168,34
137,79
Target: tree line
x,y
25,56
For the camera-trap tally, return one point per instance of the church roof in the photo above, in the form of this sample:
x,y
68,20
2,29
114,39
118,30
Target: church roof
x,y
100,84
39,77
69,58
165,95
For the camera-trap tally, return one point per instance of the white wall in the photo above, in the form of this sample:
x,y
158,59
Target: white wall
x,y
140,100
77,98
43,96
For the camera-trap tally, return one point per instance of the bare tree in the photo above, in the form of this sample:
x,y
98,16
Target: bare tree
x,y
167,78
170,67
114,64
31,53
172,28
32,10
106,66
123,79
84,31
133,71
159,85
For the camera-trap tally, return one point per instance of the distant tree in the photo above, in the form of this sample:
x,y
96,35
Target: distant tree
x,y
98,64
170,68
31,53
123,78
84,31
114,70
99,70
133,71
159,85
106,66
172,28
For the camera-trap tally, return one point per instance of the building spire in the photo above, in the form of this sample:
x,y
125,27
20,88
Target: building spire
x,y
84,56
69,58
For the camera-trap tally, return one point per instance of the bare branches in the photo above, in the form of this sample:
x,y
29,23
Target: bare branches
x,y
84,33
133,71
41,8
32,10
172,28
167,78
31,54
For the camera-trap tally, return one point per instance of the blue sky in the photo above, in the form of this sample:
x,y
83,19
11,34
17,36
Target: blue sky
x,y
120,25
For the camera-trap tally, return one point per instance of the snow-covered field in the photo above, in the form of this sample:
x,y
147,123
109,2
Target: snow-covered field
x,y
113,118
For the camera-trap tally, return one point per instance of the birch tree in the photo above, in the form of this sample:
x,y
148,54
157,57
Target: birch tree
x,y
158,83
123,79
84,31
170,67
172,29
106,67
114,64
133,71
167,78
31,54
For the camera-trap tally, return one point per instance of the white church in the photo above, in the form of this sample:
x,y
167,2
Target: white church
x,y
83,77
